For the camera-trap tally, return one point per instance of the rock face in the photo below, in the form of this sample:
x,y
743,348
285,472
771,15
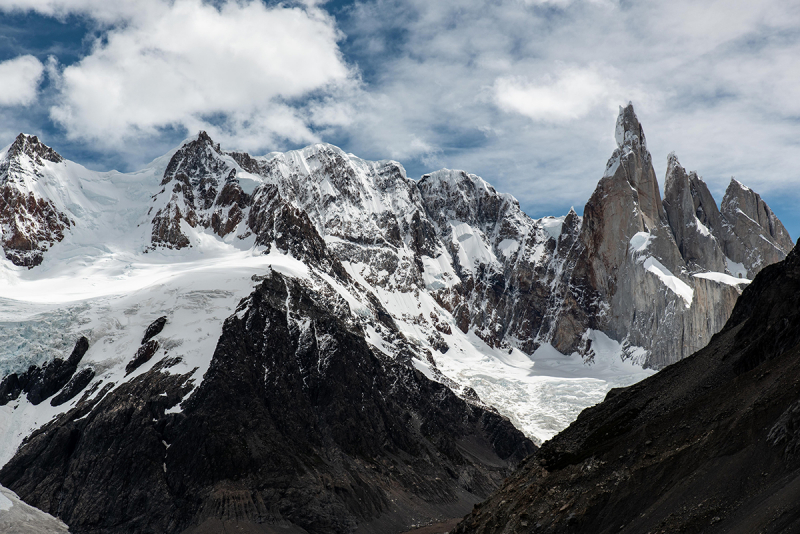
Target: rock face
x,y
709,444
40,383
201,188
752,234
366,442
29,222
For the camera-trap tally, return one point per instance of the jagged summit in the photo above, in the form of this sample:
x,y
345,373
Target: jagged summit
x,y
694,219
29,145
30,221
367,281
628,130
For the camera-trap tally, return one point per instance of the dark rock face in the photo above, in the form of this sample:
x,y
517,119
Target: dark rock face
x,y
201,188
41,383
76,384
297,423
154,329
709,444
30,225
143,354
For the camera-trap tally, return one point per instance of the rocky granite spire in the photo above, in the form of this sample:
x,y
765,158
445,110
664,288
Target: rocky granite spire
x,y
694,219
752,234
632,280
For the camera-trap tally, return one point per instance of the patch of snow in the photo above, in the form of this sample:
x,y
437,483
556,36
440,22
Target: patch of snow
x,y
17,517
552,225
640,242
508,247
736,269
702,227
472,247
613,164
438,272
723,278
248,182
675,284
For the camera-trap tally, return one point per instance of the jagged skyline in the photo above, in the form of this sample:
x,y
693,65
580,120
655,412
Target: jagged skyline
x,y
519,92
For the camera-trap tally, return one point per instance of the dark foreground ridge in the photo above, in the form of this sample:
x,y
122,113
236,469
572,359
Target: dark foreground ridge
x,y
709,444
298,426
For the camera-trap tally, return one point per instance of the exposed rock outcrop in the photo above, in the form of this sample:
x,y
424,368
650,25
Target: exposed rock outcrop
x,y
692,214
752,234
201,188
653,275
40,383
709,444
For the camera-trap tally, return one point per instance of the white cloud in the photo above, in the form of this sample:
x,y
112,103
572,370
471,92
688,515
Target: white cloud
x,y
188,64
570,94
19,80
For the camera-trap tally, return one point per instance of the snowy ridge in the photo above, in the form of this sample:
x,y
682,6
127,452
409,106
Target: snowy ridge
x,y
401,250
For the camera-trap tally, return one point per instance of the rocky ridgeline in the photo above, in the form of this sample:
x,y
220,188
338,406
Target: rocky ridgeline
x,y
627,268
633,267
30,223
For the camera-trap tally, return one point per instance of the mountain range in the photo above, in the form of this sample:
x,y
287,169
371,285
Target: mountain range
x,y
317,343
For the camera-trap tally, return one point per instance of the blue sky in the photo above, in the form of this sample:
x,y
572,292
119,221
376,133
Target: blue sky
x,y
522,92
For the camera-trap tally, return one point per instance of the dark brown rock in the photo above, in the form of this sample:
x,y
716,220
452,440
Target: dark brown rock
x,y
154,329
143,354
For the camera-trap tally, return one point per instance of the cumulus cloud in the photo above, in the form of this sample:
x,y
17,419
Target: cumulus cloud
x,y
20,80
522,92
234,69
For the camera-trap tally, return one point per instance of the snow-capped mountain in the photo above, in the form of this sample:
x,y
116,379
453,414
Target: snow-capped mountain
x,y
338,298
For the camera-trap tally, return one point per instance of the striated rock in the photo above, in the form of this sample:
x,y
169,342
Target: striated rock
x,y
143,355
751,233
298,423
77,383
686,201
652,275
706,445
